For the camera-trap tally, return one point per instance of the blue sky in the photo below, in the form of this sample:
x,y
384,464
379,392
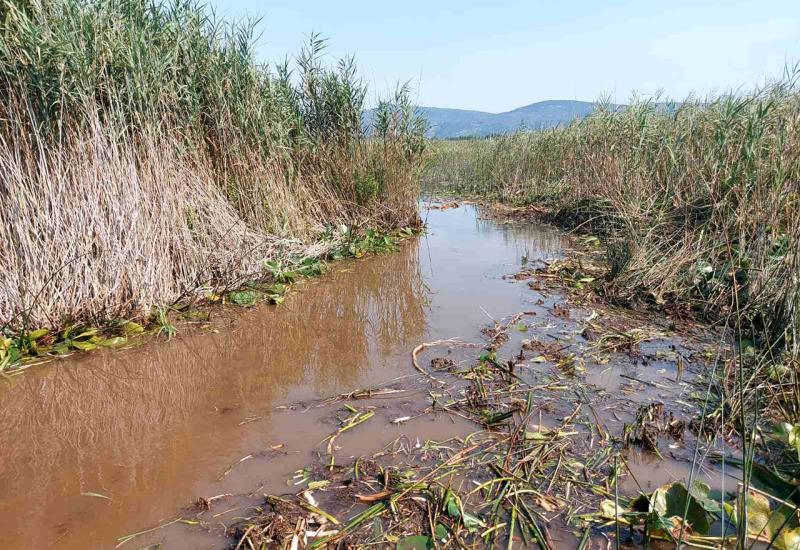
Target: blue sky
x,y
496,56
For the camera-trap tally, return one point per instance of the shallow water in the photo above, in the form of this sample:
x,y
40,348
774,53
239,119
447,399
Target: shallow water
x,y
153,428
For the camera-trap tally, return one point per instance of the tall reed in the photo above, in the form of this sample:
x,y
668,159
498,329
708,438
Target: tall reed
x,y
145,153
698,204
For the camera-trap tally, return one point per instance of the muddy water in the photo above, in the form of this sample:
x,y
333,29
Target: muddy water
x,y
154,428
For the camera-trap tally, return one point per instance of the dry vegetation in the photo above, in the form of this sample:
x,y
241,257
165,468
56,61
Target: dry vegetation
x,y
697,206
144,154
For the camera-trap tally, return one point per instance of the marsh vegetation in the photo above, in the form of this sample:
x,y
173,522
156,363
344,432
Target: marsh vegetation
x,y
696,209
145,156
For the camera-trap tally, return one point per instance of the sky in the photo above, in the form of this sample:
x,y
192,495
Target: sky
x,y
496,56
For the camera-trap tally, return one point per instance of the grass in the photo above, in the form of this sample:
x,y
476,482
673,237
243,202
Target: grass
x,y
145,154
697,205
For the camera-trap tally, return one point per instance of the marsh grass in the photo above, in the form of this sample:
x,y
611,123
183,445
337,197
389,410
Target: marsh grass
x,y
698,206
144,153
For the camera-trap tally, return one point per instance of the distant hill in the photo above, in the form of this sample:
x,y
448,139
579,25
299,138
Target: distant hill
x,y
456,123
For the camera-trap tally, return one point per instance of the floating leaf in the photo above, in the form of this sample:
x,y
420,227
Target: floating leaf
x,y
673,500
112,342
130,327
86,334
83,345
454,510
702,493
244,297
417,542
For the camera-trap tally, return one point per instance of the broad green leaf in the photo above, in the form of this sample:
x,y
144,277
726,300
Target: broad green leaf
x,y
36,334
417,542
671,501
112,342
61,348
130,327
244,297
86,334
702,494
86,346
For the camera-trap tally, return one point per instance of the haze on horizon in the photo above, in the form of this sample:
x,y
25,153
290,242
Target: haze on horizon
x,y
496,56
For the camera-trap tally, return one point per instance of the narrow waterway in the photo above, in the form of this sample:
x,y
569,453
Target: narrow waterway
x,y
99,446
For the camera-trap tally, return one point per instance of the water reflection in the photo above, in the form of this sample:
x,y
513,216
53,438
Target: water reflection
x,y
154,419
154,427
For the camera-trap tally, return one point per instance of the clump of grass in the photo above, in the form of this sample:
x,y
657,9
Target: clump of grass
x,y
145,153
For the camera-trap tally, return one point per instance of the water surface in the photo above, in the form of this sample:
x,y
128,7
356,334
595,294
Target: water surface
x,y
156,427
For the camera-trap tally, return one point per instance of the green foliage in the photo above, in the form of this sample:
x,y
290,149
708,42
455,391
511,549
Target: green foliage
x,y
367,188
164,326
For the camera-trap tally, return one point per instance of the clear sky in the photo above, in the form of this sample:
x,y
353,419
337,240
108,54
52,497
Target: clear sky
x,y
495,56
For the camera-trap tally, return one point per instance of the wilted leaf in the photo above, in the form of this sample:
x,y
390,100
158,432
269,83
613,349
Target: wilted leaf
x,y
758,516
788,539
610,511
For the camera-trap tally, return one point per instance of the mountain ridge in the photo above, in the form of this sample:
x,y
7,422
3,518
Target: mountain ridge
x,y
447,123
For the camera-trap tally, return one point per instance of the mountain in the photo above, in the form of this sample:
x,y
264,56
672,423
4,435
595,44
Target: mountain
x,y
456,123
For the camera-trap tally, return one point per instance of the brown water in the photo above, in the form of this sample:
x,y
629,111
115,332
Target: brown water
x,y
155,427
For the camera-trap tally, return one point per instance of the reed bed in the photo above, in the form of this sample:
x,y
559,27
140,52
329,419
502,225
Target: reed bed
x,y
145,154
697,206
